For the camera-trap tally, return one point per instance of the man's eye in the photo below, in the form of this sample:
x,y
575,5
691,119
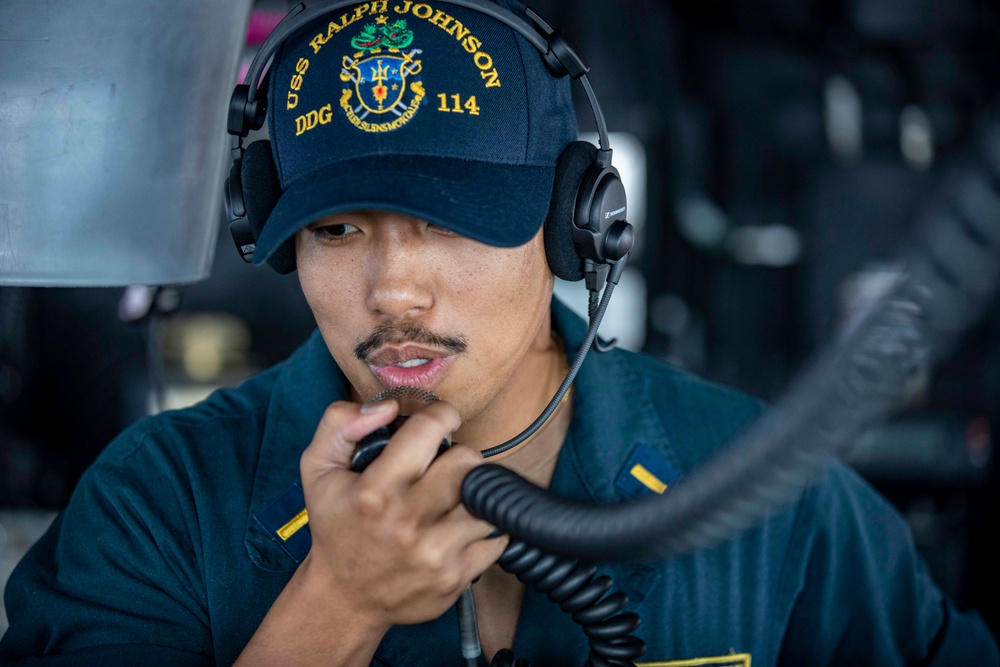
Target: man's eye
x,y
334,231
441,230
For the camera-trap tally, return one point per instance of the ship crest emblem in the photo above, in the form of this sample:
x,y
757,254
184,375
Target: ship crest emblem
x,y
382,87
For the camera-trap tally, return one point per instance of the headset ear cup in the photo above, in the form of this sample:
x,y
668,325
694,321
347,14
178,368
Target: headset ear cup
x,y
576,159
261,191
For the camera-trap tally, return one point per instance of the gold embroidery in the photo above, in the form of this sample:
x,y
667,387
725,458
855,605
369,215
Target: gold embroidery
x,y
469,42
371,8
648,479
733,660
345,104
293,526
313,119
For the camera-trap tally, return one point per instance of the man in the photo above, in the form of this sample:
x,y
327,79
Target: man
x,y
416,147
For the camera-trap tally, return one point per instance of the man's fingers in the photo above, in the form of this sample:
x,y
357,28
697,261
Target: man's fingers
x,y
414,446
480,555
468,541
441,488
461,528
342,426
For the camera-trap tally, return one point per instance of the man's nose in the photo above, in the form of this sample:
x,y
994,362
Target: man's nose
x,y
401,274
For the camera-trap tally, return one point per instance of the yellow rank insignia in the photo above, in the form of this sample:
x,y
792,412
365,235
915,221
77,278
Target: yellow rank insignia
x,y
731,660
646,473
286,521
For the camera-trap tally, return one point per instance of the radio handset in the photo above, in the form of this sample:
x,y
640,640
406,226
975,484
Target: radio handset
x,y
410,400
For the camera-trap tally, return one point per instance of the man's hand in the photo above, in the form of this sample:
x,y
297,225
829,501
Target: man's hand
x,y
390,546
394,541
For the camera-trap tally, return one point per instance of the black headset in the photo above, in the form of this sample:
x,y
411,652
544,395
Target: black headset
x,y
586,229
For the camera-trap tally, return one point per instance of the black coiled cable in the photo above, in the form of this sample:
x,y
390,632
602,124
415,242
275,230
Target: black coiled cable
x,y
580,591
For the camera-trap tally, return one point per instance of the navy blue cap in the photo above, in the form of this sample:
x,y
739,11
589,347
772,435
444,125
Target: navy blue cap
x,y
421,108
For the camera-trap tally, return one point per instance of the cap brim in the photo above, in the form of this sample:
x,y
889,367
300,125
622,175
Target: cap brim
x,y
500,205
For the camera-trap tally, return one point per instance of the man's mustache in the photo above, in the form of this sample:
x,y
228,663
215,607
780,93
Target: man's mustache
x,y
408,332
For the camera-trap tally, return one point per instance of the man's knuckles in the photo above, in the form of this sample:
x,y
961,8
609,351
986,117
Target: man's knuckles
x,y
453,581
369,499
442,569
433,558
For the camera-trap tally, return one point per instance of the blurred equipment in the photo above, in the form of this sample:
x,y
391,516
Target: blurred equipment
x,y
143,108
204,352
934,451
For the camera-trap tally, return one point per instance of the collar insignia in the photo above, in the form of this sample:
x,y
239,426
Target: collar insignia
x,y
287,523
646,473
731,660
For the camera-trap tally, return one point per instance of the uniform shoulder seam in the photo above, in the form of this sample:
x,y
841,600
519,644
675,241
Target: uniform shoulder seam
x,y
168,421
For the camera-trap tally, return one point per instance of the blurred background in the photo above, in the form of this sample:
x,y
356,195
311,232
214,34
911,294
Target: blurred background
x,y
777,152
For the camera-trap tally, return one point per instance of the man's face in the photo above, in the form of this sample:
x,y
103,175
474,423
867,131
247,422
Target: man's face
x,y
402,302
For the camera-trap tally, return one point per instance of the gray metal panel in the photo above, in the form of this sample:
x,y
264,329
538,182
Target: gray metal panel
x,y
113,145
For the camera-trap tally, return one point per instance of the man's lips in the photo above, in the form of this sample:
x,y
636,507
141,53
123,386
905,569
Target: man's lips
x,y
412,365
391,355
